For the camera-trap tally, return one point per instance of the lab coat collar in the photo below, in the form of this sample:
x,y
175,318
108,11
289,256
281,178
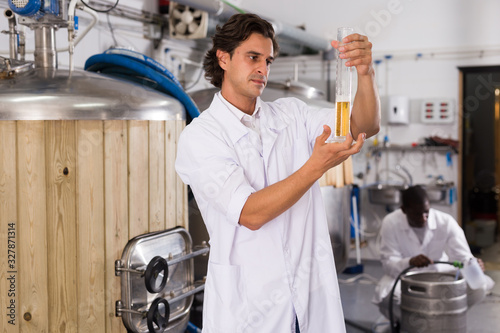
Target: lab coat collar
x,y
431,220
259,104
235,128
237,112
431,226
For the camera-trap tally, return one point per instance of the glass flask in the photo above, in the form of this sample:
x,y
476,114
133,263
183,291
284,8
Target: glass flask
x,y
342,124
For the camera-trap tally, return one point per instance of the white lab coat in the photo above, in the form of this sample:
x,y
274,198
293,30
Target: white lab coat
x,y
444,241
258,280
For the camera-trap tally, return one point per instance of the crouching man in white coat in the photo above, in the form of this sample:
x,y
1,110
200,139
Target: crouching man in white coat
x,y
415,235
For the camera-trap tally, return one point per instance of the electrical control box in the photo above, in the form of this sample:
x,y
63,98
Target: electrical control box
x,y
437,111
398,110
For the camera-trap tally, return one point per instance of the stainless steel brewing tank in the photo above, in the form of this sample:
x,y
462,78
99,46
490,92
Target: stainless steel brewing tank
x,y
337,200
86,163
338,215
273,91
46,94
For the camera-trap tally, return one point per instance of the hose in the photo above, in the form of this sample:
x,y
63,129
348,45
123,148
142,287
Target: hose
x,y
136,70
357,326
191,328
82,34
395,326
150,62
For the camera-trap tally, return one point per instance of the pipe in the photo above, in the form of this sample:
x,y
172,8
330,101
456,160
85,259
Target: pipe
x,y
440,53
223,11
45,47
95,19
71,10
405,170
216,8
71,31
9,14
405,181
22,43
74,42
300,36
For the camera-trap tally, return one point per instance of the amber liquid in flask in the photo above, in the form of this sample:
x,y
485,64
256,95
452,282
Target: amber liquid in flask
x,y
342,124
342,119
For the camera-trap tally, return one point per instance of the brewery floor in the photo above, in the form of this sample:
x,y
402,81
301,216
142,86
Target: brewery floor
x,y
362,315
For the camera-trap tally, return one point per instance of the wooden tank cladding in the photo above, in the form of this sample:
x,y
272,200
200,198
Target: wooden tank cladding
x,y
72,193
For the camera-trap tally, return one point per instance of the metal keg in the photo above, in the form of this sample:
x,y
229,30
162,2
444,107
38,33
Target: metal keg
x,y
433,302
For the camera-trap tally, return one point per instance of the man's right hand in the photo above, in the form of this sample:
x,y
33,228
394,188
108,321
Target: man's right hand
x,y
420,261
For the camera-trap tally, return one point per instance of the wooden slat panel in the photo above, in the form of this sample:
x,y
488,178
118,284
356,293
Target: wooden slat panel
x,y
60,145
9,254
339,176
116,207
32,227
170,175
182,204
90,226
329,178
348,171
138,165
322,180
156,175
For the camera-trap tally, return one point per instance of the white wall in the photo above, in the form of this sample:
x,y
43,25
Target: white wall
x,y
393,24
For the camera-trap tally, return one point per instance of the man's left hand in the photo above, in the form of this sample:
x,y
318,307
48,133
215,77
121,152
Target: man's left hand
x,y
357,49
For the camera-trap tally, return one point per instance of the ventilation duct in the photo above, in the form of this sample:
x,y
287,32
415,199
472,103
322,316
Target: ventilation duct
x,y
220,11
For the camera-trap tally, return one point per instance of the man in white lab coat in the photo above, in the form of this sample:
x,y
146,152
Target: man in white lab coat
x,y
253,168
416,235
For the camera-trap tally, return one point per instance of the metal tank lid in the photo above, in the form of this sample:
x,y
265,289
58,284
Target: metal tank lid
x,y
50,94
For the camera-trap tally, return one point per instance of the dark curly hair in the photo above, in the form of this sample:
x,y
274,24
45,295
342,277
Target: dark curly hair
x,y
227,38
